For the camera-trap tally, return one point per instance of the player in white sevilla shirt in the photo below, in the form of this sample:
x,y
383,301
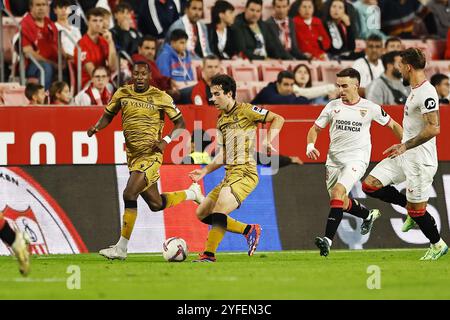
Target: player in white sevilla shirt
x,y
415,159
350,118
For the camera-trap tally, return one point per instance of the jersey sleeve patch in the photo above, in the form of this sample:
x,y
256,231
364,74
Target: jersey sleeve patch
x,y
430,104
259,110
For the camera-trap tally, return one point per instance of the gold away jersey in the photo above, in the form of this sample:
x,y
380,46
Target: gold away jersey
x,y
237,132
142,118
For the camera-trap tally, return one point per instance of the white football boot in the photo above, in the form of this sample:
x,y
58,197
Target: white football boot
x,y
20,247
114,252
199,197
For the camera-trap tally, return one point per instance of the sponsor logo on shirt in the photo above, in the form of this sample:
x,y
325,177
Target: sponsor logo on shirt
x,y
430,104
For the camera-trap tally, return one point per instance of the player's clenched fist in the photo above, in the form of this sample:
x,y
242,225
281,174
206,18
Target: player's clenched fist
x,y
312,152
197,174
92,130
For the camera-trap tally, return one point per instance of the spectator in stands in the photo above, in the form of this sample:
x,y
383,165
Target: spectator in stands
x,y
388,89
125,37
393,44
341,32
403,18
97,94
312,38
60,93
109,5
318,7
318,94
221,36
284,28
35,93
441,83
447,51
369,17
370,66
40,40
156,16
107,18
97,47
349,9
280,91
256,41
200,94
62,11
174,60
441,14
197,44
147,52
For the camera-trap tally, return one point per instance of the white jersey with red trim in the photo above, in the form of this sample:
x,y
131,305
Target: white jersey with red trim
x,y
350,129
422,99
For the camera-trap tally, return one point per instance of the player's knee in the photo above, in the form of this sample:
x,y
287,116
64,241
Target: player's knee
x,y
370,185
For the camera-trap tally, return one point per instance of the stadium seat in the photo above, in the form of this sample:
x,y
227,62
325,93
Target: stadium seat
x,y
257,86
14,96
244,72
442,66
270,73
244,93
9,30
291,64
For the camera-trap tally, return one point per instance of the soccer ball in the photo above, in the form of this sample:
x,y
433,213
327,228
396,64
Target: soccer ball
x,y
175,249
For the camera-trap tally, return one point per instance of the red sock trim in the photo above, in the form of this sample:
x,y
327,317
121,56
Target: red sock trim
x,y
368,188
350,205
416,213
2,223
335,203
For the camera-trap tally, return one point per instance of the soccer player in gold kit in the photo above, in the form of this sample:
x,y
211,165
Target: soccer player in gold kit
x,y
237,126
143,110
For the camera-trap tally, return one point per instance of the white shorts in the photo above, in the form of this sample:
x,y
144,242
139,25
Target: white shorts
x,y
418,176
346,175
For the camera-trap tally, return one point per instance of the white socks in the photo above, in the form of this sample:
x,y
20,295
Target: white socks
x,y
329,241
190,195
122,243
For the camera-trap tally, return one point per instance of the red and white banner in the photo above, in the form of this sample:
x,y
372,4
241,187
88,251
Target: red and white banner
x,y
57,135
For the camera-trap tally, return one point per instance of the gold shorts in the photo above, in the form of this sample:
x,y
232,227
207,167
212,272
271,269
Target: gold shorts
x,y
149,165
241,180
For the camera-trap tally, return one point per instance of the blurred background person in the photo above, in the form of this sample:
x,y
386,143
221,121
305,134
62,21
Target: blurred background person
x,y
303,86
97,93
441,83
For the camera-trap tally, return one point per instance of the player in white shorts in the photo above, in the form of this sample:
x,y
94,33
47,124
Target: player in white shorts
x,y
415,159
350,118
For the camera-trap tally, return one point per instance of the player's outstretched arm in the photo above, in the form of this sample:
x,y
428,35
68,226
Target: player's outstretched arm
x,y
430,130
103,122
396,129
215,164
179,125
311,151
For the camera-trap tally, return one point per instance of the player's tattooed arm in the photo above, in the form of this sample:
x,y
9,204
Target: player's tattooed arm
x,y
103,122
430,130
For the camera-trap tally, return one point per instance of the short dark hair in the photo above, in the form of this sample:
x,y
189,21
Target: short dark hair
x,y
283,75
122,7
178,34
219,7
56,87
349,72
142,63
437,78
62,3
96,12
414,57
273,2
188,4
226,82
31,89
392,39
249,2
146,37
210,57
389,58
374,37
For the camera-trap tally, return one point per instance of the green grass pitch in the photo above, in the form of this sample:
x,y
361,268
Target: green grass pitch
x,y
266,275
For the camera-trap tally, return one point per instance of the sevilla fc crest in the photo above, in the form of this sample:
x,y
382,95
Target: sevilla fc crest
x,y
363,113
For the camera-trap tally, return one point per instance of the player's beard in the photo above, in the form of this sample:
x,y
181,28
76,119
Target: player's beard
x,y
406,82
397,74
